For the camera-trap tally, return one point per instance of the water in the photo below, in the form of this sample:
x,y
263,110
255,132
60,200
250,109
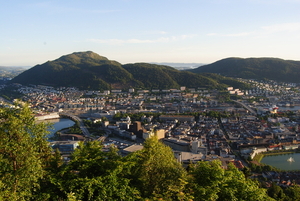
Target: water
x,y
295,108
59,124
281,161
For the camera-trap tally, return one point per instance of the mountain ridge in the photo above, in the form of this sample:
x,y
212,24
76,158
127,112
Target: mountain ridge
x,y
254,68
88,70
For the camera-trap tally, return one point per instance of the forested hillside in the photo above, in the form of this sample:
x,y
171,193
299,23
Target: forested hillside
x,y
88,70
255,68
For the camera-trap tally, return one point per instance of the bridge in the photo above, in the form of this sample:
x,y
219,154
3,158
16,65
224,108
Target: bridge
x,y
247,107
85,131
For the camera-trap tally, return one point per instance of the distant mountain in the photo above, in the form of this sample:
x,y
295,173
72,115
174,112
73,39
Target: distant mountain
x,y
255,68
10,71
180,66
88,70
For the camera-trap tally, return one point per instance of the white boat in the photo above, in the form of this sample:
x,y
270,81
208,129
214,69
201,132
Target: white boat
x,y
290,159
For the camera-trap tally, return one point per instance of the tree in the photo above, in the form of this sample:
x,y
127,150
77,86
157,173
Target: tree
x,y
103,119
292,193
157,174
247,172
96,175
276,192
211,182
23,153
50,184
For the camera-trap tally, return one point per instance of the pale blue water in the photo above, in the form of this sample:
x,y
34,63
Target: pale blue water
x,y
281,161
59,124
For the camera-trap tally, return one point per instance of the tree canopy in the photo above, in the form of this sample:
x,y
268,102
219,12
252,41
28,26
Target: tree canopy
x,y
23,153
212,182
157,174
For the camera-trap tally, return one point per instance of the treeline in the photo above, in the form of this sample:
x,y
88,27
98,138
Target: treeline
x,y
30,171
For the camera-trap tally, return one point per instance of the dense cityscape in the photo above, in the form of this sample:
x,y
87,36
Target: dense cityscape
x,y
222,124
232,126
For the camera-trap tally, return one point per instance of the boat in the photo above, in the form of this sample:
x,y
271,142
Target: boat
x,y
290,159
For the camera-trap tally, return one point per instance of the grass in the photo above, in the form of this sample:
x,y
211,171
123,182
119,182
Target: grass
x,y
260,156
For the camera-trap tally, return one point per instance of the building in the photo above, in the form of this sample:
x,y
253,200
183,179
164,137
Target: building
x,y
65,147
187,158
159,133
131,149
176,144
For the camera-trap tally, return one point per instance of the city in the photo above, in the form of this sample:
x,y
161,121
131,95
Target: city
x,y
150,100
198,124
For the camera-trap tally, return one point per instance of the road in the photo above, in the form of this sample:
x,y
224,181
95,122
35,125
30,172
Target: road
x,y
85,131
247,107
103,138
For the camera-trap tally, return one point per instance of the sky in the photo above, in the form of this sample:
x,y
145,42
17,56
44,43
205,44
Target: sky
x,y
129,31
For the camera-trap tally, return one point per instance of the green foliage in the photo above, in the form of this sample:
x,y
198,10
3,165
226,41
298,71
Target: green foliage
x,y
87,123
23,153
255,68
87,70
212,182
258,157
152,76
276,192
292,193
157,174
96,175
75,129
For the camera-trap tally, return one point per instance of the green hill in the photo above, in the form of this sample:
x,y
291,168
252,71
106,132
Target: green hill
x,y
88,70
255,68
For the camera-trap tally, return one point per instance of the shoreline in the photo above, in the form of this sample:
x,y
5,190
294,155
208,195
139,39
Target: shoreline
x,y
260,156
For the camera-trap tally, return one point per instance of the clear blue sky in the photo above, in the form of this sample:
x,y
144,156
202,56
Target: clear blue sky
x,y
35,31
